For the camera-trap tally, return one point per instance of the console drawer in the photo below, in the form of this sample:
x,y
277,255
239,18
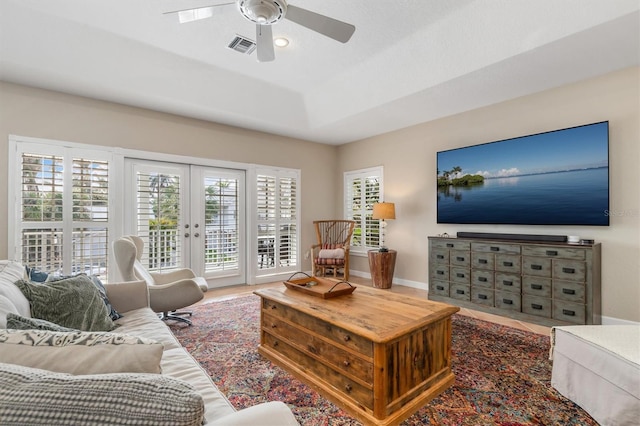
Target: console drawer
x,y
482,296
569,312
507,282
508,263
536,266
570,270
460,291
482,279
507,300
440,272
539,306
451,244
460,275
496,248
483,261
440,256
459,258
536,286
560,252
569,291
441,288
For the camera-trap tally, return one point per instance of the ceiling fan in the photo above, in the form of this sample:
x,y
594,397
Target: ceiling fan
x,y
265,13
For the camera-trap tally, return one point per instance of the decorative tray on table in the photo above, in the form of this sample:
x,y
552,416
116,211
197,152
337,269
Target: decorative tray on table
x,y
319,287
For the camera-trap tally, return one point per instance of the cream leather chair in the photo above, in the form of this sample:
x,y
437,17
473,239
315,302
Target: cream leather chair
x,y
168,291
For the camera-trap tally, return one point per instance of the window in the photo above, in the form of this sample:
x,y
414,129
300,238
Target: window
x,y
62,217
362,189
277,220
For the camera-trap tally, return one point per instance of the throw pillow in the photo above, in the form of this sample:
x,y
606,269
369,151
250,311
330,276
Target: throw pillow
x,y
33,396
6,308
18,322
96,281
10,272
72,302
80,352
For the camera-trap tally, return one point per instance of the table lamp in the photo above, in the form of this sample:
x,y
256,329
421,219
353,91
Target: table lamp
x,y
383,212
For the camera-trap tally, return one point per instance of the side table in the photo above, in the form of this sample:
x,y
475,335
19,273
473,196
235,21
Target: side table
x,y
382,265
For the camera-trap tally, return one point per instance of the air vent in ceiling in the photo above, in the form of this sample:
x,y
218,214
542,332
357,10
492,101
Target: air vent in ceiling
x,y
242,44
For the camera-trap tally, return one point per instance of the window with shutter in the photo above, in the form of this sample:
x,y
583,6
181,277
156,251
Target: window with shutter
x,y
362,189
277,221
63,220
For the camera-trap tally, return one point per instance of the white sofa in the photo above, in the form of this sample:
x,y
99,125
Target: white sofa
x,y
132,300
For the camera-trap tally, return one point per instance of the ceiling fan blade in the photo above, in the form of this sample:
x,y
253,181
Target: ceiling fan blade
x,y
190,15
332,28
264,41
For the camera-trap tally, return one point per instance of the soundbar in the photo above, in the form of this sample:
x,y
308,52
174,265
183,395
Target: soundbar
x,y
515,237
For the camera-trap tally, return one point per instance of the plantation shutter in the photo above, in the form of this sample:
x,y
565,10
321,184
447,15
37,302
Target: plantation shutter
x,y
158,218
64,212
277,220
362,191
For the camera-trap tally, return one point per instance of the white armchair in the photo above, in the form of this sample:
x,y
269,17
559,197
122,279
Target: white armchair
x,y
168,291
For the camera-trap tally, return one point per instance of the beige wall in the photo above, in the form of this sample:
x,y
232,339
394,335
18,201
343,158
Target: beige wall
x,y
408,157
38,113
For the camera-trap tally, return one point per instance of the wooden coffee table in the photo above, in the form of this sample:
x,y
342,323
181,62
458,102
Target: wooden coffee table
x,y
379,355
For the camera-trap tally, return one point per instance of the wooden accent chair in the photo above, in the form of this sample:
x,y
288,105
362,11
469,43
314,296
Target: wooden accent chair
x,y
331,253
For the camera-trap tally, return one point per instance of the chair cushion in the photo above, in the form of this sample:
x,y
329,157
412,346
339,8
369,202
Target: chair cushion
x,y
79,352
337,253
34,396
71,302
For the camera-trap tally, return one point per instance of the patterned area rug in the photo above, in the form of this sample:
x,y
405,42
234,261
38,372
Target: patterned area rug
x,y
502,374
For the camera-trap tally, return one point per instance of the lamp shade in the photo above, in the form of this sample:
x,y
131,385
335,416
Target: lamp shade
x,y
384,211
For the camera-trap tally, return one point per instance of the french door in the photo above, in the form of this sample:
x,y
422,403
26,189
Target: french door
x,y
189,216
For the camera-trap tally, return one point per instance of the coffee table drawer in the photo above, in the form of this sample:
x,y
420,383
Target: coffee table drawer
x,y
338,358
361,394
330,331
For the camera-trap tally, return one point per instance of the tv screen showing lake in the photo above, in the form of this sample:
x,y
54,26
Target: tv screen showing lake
x,y
578,197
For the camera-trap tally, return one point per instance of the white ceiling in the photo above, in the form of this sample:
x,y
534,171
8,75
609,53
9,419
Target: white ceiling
x,y
409,61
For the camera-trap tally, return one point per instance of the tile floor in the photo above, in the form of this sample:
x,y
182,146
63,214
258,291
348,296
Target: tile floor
x,y
243,290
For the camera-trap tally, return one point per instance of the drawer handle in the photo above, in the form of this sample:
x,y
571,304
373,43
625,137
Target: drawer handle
x,y
348,388
439,287
450,245
482,296
275,343
460,275
569,270
552,253
536,306
483,261
460,258
507,283
507,264
347,338
536,267
439,256
507,301
273,326
568,313
495,249
346,363
274,307
536,286
458,291
483,279
440,272
568,291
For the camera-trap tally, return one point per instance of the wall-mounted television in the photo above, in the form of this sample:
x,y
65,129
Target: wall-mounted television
x,y
559,177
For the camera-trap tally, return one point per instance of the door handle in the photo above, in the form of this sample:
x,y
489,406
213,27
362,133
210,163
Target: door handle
x,y
186,235
197,234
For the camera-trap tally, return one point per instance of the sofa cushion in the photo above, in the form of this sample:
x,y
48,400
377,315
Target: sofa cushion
x,y
18,322
10,272
72,302
33,396
79,352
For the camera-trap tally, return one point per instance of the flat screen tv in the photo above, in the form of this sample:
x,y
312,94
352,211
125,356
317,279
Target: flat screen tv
x,y
554,178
